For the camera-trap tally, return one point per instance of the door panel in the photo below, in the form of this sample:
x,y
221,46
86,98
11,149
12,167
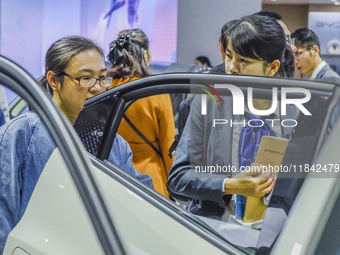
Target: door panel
x,y
55,221
147,228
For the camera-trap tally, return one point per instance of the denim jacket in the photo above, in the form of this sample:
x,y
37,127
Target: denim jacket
x,y
25,147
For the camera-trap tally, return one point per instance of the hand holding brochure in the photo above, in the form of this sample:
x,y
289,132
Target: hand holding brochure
x,y
270,154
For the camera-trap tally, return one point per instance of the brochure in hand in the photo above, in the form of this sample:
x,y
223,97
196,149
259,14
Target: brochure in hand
x,y
270,154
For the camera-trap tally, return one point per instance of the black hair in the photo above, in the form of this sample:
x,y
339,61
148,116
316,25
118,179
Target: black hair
x,y
203,60
257,37
288,69
228,25
127,54
288,65
271,14
306,38
61,52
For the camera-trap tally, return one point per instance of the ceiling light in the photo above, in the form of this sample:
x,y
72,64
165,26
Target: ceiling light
x,y
337,3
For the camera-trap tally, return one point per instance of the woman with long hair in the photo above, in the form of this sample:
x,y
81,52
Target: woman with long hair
x,y
148,124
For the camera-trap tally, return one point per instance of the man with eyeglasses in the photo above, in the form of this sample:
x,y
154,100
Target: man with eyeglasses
x,y
74,71
307,56
308,61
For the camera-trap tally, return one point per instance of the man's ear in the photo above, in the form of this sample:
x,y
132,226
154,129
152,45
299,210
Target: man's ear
x,y
273,68
53,81
316,49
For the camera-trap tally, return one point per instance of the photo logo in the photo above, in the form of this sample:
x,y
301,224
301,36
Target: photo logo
x,y
213,90
239,102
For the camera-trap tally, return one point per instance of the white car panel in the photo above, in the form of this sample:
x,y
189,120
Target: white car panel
x,y
146,227
55,221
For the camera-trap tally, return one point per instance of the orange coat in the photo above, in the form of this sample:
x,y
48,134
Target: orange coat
x,y
153,117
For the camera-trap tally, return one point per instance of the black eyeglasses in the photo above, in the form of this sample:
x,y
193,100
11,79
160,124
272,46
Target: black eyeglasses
x,y
88,82
297,54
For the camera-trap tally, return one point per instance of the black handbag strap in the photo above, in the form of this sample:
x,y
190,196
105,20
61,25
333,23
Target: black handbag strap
x,y
141,135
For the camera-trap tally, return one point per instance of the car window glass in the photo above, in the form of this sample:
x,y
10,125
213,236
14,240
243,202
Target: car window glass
x,y
300,129
176,100
130,190
148,125
16,105
224,228
216,159
297,162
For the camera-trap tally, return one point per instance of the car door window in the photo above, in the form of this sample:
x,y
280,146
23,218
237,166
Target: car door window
x,y
126,215
306,134
303,132
297,163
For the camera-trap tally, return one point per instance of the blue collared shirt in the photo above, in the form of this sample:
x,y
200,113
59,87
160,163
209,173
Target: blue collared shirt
x,y
25,147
